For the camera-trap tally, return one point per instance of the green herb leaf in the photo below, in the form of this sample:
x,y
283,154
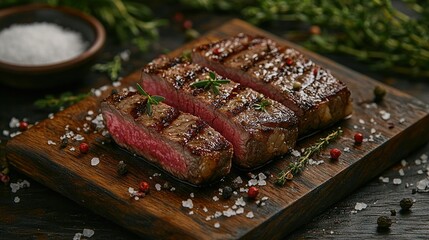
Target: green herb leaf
x,y
141,90
112,68
151,100
262,105
212,83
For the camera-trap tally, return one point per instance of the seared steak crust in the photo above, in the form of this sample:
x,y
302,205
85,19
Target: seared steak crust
x,y
178,142
257,135
280,73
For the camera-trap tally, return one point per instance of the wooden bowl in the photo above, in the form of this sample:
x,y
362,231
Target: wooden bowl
x,y
57,74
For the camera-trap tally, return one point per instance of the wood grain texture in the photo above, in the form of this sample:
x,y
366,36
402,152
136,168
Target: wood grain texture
x,y
160,214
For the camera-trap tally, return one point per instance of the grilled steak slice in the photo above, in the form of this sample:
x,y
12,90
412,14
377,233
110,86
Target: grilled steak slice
x,y
257,134
282,74
178,142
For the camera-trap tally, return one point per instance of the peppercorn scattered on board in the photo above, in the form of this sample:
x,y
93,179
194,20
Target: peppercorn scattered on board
x,y
391,129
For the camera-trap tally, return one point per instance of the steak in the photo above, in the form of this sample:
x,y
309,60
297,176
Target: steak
x,y
257,134
280,73
178,142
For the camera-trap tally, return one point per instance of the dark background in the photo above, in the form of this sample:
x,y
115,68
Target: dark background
x,y
44,214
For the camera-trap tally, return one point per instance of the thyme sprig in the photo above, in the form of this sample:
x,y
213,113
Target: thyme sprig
x,y
112,68
298,166
262,105
64,100
151,100
212,83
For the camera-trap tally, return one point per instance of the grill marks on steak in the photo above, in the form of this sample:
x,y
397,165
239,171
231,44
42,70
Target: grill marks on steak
x,y
178,142
273,70
257,136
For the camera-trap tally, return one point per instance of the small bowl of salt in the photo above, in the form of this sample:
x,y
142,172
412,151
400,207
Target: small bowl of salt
x,y
42,46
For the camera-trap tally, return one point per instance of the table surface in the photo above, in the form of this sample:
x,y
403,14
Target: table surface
x,y
44,214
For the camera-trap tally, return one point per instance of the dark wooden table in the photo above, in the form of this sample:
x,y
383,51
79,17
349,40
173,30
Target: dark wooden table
x,y
44,214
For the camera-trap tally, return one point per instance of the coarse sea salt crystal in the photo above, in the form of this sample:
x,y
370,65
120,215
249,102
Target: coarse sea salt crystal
x,y
88,232
14,122
404,162
296,153
420,171
360,206
16,200
240,202
384,179
217,225
77,236
424,157
6,133
397,181
423,184
250,214
95,161
238,180
346,149
262,182
240,210
401,172
418,162
50,142
252,182
188,203
158,187
385,115
262,176
217,214
229,213
215,198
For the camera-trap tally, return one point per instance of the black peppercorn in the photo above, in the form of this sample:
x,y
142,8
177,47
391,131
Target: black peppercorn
x,y
64,142
226,192
166,185
393,212
122,168
406,204
384,222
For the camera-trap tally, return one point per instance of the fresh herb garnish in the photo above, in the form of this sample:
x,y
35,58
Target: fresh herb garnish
x,y
211,83
64,100
151,100
297,167
112,68
262,105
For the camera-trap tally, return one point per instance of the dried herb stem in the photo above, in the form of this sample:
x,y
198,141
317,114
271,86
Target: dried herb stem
x,y
297,167
64,100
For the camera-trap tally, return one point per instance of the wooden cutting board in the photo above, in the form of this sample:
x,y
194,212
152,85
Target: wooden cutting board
x,y
161,214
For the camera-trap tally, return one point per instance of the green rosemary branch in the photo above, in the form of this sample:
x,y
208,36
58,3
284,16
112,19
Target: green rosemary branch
x,y
212,83
151,100
64,100
298,166
112,68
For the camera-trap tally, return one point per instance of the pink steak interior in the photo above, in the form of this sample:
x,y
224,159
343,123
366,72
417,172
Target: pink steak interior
x,y
144,143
